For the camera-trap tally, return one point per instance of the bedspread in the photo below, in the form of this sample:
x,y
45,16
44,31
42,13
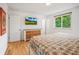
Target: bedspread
x,y
55,45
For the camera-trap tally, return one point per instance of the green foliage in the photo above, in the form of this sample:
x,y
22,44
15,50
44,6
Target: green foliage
x,y
30,22
58,22
66,21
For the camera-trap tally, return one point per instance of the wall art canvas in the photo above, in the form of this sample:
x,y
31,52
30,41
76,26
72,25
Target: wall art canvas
x,y
30,21
2,22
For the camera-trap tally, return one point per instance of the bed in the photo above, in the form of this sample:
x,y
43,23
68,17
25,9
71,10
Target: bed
x,y
55,44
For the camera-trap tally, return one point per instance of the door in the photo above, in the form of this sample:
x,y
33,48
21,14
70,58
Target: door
x,y
14,25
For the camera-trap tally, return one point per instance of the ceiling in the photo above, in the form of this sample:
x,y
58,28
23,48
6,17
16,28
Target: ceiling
x,y
40,8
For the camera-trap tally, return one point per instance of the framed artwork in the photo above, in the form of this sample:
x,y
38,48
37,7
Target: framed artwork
x,y
2,22
30,21
58,21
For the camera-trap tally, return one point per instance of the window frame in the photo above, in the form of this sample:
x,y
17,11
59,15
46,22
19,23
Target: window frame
x,y
70,13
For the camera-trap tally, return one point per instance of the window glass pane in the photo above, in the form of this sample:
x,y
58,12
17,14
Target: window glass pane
x,y
58,22
66,21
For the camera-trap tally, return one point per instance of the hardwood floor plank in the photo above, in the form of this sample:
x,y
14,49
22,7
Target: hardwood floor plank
x,y
17,48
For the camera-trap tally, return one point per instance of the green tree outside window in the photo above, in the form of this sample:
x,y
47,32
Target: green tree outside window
x,y
66,21
58,22
63,21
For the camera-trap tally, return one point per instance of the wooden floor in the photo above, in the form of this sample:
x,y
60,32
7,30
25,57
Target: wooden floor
x,y
17,48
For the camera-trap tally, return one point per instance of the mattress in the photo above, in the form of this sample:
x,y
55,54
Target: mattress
x,y
55,44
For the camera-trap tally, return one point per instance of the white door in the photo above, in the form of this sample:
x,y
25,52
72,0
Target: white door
x,y
14,24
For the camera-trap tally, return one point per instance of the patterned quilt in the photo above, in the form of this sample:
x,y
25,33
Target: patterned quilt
x,y
59,44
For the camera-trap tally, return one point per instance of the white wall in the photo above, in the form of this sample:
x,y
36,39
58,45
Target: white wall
x,y
45,23
50,22
17,25
4,38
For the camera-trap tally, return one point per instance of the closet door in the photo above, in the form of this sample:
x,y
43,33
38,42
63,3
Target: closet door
x,y
14,24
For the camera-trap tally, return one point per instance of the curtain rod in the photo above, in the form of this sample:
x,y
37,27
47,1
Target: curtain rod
x,y
63,14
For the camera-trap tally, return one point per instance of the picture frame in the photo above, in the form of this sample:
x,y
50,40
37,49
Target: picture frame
x,y
30,20
2,22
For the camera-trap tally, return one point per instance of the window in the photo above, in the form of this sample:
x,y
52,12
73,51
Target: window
x,y
63,21
58,22
66,21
